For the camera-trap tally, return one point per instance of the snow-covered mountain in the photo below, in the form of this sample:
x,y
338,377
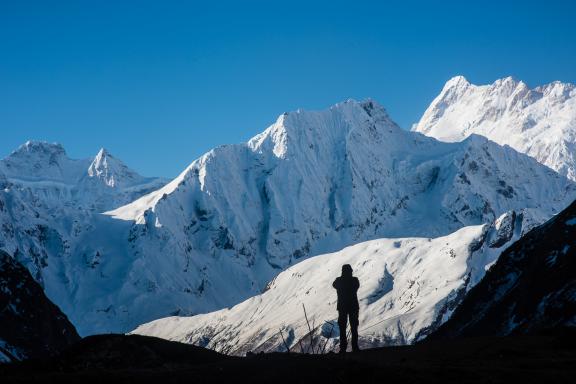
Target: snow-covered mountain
x,y
315,182
540,122
312,183
48,199
532,286
45,176
408,286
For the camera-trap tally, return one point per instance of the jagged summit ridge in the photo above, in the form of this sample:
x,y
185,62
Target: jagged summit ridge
x,y
540,122
39,146
44,161
40,160
291,129
456,82
304,135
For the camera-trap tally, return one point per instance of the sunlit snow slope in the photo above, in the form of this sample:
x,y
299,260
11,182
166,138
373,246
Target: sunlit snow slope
x,y
408,287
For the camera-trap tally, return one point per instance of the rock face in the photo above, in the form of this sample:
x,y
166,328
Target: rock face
x,y
530,288
505,226
312,183
540,122
30,324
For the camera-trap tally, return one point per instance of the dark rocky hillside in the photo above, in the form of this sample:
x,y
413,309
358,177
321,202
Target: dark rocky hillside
x,y
531,287
31,326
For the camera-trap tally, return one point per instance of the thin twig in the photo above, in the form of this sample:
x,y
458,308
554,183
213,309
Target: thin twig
x,y
309,328
313,340
284,340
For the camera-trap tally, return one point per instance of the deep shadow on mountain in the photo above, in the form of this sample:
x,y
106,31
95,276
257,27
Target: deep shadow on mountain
x,y
531,287
547,356
30,324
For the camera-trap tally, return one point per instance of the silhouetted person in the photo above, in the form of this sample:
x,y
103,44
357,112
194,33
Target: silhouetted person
x,y
346,287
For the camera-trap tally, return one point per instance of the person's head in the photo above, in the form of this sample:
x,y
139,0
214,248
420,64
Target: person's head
x,y
347,270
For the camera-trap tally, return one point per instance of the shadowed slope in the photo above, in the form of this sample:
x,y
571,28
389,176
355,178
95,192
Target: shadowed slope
x,y
30,324
531,287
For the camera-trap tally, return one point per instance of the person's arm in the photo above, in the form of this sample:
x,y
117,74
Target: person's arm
x,y
356,283
336,283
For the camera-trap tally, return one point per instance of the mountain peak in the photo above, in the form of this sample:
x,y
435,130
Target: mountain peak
x,y
301,129
368,104
35,160
374,109
110,169
507,80
102,153
453,90
456,82
506,86
558,90
40,147
101,162
42,161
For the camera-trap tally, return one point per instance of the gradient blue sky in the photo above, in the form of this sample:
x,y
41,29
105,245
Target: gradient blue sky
x,y
158,83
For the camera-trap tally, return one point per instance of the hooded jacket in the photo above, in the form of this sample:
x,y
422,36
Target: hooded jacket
x,y
346,288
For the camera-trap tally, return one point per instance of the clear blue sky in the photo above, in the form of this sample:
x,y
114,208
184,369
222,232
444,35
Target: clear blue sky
x,y
158,83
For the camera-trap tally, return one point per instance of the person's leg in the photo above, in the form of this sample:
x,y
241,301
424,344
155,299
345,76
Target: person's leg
x,y
354,328
342,322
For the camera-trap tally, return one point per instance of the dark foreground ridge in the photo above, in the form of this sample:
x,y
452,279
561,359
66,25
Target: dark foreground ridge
x,y
548,357
31,326
531,287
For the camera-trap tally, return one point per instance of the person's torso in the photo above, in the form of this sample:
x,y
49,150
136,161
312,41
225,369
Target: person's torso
x,y
346,290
